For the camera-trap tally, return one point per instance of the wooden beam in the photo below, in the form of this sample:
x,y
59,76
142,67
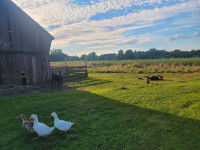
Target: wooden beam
x,y
75,67
14,51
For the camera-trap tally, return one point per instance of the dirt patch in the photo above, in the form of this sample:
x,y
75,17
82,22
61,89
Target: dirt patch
x,y
10,90
191,74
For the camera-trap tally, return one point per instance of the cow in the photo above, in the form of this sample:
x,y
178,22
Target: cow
x,y
148,79
154,78
157,77
56,81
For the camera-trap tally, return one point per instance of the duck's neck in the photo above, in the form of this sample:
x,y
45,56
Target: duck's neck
x,y
23,119
35,120
56,119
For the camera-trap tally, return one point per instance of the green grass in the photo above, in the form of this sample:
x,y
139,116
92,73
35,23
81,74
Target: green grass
x,y
111,111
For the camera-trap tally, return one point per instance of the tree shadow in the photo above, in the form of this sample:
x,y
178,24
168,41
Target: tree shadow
x,y
86,82
118,125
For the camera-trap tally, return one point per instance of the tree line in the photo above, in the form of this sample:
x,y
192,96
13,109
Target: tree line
x,y
58,55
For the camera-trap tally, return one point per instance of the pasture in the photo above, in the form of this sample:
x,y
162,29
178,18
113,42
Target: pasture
x,y
111,111
180,65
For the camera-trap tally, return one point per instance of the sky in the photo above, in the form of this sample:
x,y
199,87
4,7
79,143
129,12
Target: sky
x,y
107,26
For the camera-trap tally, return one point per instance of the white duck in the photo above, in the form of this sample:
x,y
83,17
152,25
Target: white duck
x,y
61,125
40,128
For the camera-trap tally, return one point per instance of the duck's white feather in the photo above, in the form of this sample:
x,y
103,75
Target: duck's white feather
x,y
41,129
62,125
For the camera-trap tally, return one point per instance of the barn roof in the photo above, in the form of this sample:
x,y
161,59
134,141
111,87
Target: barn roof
x,y
11,4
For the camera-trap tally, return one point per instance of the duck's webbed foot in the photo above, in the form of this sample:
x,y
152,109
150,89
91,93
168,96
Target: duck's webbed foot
x,y
63,132
37,138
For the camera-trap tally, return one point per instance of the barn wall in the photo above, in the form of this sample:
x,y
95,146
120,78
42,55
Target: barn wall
x,y
23,45
1,80
13,63
18,32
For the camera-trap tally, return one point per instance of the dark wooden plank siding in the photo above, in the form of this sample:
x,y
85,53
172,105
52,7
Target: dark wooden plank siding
x,y
26,34
1,80
22,40
13,63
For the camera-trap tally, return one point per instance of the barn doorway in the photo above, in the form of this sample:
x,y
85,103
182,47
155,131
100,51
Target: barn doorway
x,y
34,70
1,80
45,73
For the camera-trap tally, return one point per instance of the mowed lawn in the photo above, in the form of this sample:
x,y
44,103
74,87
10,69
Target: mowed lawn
x,y
110,111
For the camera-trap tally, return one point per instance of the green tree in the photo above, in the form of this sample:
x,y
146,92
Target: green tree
x,y
83,57
120,55
92,56
74,58
57,55
128,54
107,57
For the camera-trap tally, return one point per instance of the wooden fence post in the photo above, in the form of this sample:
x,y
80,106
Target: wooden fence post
x,y
86,72
65,62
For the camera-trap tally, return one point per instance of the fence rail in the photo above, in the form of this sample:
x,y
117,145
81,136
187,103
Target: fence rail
x,y
71,72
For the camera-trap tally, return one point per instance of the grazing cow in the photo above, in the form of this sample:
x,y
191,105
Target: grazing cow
x,y
148,79
56,80
154,78
157,77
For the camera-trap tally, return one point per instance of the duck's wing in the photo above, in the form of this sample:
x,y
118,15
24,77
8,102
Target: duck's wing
x,y
31,124
63,125
40,126
42,129
29,127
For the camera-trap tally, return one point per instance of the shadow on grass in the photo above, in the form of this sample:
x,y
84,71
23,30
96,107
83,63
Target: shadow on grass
x,y
88,82
100,123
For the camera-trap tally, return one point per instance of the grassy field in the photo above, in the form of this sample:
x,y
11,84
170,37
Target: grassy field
x,y
111,111
181,65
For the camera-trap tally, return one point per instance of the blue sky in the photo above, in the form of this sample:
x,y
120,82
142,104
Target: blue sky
x,y
106,26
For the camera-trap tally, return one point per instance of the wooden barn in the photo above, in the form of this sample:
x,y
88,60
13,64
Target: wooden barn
x,y
24,47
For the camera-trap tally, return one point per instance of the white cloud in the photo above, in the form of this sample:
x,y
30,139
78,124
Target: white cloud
x,y
196,34
103,46
91,35
181,36
98,52
61,12
172,29
75,26
92,31
177,36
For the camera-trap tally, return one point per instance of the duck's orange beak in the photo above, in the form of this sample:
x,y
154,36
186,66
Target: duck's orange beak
x,y
17,117
30,117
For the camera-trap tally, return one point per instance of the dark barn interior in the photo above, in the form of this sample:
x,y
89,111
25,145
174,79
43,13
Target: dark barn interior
x,y
24,47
